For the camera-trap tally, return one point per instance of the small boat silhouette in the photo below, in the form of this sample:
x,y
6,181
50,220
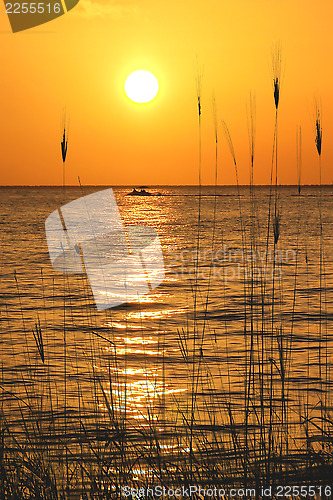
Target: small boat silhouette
x,y
142,192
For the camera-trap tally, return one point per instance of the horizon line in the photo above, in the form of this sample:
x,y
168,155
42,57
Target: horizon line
x,y
158,185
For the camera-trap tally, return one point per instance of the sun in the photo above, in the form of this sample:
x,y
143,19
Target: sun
x,y
141,86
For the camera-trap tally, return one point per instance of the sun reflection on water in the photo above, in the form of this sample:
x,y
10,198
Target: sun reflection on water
x,y
155,314
138,340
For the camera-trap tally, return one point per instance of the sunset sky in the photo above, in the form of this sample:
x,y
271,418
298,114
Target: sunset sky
x,y
81,60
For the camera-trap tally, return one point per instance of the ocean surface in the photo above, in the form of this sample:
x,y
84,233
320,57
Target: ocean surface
x,y
193,332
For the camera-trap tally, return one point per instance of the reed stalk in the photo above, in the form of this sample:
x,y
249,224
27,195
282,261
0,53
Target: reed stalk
x,y
249,366
198,81
276,67
318,142
64,145
299,158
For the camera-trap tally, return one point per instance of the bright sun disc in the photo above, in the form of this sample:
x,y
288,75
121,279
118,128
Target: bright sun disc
x,y
141,86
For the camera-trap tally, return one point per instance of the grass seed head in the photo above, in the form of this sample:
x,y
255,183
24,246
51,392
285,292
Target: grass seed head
x,y
318,130
276,84
198,81
276,65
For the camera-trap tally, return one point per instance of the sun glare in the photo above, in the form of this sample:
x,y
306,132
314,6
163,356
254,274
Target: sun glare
x,y
141,86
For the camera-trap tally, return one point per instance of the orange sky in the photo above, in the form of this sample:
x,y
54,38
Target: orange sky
x,y
81,60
